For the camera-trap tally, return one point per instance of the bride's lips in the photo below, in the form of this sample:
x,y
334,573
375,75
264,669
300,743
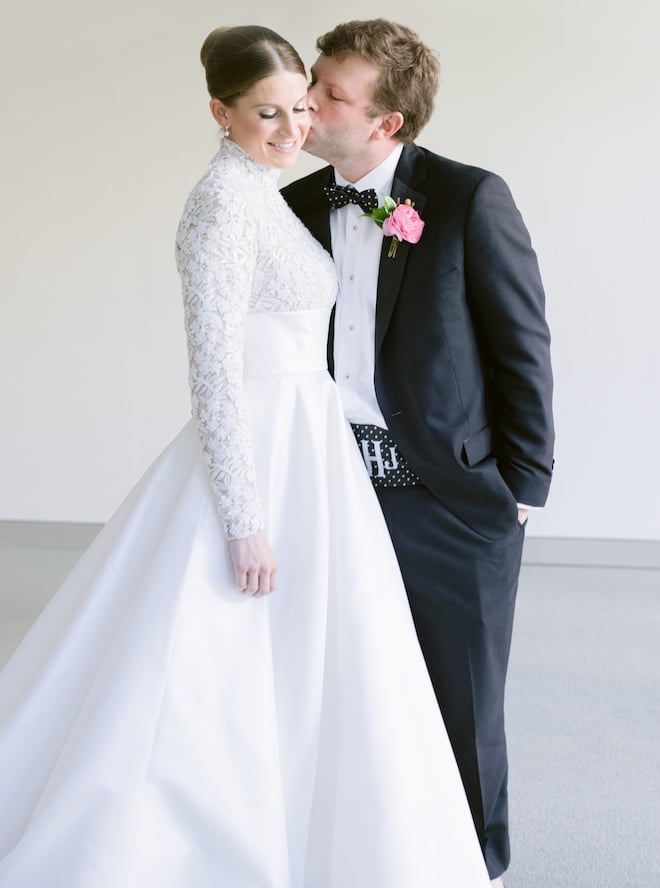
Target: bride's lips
x,y
285,147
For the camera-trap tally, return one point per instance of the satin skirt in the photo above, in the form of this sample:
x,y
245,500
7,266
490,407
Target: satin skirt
x,y
158,729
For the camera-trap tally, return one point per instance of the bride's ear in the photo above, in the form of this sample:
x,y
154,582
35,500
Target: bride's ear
x,y
219,112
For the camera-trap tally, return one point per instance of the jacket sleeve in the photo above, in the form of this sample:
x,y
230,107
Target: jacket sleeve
x,y
508,303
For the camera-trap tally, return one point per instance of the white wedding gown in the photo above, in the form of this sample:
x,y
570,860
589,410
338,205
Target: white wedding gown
x,y
158,729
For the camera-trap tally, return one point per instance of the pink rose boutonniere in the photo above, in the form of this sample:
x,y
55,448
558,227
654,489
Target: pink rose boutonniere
x,y
400,221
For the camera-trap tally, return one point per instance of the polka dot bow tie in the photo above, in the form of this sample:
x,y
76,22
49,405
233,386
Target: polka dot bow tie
x,y
340,195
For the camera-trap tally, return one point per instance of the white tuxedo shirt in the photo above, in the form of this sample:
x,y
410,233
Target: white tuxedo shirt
x,y
356,247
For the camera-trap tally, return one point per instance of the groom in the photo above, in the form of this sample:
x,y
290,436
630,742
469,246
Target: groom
x,y
441,353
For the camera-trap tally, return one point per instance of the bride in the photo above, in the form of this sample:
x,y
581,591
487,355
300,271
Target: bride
x,y
227,692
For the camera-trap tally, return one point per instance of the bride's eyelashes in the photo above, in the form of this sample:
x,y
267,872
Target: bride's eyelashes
x,y
266,115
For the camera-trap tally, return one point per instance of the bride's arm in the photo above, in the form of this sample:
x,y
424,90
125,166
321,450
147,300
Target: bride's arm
x,y
216,258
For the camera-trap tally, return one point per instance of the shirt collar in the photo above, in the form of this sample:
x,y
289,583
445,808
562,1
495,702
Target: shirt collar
x,y
380,178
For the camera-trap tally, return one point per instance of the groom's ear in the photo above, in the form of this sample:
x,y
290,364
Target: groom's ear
x,y
389,125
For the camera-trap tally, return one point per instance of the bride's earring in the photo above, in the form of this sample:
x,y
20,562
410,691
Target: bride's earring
x,y
227,131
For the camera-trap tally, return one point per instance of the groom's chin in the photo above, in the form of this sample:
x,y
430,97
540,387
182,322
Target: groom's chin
x,y
309,146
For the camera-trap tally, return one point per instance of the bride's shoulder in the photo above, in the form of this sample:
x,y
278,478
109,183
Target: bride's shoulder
x,y
219,194
232,183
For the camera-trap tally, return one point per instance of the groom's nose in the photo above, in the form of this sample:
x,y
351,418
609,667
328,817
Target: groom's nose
x,y
312,104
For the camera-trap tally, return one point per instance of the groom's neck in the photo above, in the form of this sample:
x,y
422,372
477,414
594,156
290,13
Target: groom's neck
x,y
355,168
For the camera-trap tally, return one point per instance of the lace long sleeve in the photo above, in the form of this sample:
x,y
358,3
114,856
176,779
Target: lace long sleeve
x,y
216,258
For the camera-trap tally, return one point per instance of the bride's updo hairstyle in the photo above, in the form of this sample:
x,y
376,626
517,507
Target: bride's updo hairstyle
x,y
235,59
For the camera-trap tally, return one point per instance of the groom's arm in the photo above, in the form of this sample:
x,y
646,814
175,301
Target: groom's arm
x,y
508,304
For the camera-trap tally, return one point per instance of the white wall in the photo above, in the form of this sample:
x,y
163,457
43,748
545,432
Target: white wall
x,y
105,129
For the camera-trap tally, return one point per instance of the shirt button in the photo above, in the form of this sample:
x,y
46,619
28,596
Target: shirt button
x,y
355,227
351,276
351,326
347,376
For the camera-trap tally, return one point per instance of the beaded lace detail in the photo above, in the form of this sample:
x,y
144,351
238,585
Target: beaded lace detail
x,y
239,249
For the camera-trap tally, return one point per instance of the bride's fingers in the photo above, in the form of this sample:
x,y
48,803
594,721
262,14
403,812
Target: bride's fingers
x,y
241,578
266,582
254,564
251,583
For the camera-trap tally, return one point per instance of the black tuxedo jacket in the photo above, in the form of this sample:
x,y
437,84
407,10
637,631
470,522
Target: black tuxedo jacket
x,y
462,348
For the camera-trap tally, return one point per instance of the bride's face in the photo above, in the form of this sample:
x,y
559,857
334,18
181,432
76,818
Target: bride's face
x,y
270,122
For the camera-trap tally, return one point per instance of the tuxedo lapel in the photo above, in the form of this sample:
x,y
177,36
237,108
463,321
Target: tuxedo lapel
x,y
318,222
410,172
317,214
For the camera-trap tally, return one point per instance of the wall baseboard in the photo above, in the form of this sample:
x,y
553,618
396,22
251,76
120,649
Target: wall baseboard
x,y
592,553
538,550
48,534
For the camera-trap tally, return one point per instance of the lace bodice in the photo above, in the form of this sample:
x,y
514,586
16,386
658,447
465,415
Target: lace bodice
x,y
239,249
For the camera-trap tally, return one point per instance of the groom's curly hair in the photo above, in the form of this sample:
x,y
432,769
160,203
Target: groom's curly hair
x,y
409,70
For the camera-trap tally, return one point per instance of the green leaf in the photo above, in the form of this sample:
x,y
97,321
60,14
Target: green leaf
x,y
379,215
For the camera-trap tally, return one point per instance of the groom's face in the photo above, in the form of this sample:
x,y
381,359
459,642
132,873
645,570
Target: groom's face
x,y
339,101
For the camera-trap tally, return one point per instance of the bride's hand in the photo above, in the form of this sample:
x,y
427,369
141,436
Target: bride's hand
x,y
255,568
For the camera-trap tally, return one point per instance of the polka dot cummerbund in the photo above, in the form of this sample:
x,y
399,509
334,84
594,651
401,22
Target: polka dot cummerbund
x,y
386,465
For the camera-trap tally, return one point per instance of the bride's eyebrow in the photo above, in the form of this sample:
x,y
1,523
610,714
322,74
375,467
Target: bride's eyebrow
x,y
277,106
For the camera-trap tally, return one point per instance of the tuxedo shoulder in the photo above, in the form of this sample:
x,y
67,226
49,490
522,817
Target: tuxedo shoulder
x,y
307,188
446,166
460,182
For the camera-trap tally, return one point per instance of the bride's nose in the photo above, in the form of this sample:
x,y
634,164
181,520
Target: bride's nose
x,y
287,126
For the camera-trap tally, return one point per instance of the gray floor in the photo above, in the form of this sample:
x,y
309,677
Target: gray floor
x,y
583,710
